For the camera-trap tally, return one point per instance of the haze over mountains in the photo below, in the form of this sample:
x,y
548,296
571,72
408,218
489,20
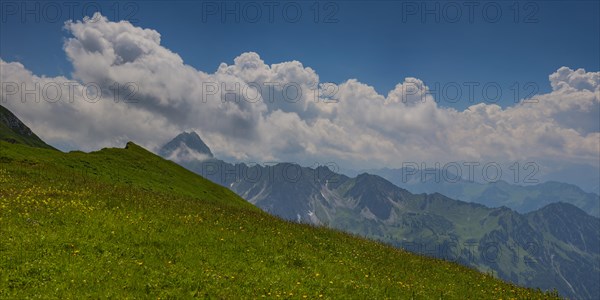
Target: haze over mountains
x,y
555,244
499,193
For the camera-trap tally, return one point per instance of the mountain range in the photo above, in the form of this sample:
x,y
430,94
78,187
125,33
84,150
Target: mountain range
x,y
554,245
499,193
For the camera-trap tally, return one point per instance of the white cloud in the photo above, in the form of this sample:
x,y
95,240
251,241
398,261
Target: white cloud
x,y
183,153
363,129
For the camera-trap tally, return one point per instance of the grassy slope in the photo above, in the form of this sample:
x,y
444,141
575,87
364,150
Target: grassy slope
x,y
123,222
7,134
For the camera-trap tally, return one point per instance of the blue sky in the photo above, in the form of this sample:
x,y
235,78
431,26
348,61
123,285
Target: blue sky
x,y
369,41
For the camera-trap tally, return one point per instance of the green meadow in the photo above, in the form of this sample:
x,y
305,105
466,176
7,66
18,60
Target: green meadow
x,y
125,223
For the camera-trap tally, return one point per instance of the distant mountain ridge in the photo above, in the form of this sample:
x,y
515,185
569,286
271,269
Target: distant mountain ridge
x,y
530,249
523,199
15,132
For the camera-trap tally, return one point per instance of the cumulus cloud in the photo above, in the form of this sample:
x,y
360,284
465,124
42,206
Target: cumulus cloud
x,y
183,153
253,111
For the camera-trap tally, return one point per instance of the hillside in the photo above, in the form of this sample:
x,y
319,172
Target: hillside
x,y
12,130
513,246
126,223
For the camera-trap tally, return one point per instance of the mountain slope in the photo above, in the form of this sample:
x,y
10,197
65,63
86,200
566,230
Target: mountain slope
x,y
12,130
513,246
566,223
122,223
497,240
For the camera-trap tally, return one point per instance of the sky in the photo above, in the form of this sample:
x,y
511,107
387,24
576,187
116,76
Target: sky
x,y
425,81
377,42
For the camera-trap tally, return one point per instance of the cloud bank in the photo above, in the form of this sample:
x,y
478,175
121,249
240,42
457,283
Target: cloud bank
x,y
127,86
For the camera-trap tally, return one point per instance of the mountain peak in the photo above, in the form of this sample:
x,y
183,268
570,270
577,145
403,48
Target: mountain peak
x,y
563,209
186,146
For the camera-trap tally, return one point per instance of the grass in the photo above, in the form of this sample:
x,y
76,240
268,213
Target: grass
x,y
124,223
